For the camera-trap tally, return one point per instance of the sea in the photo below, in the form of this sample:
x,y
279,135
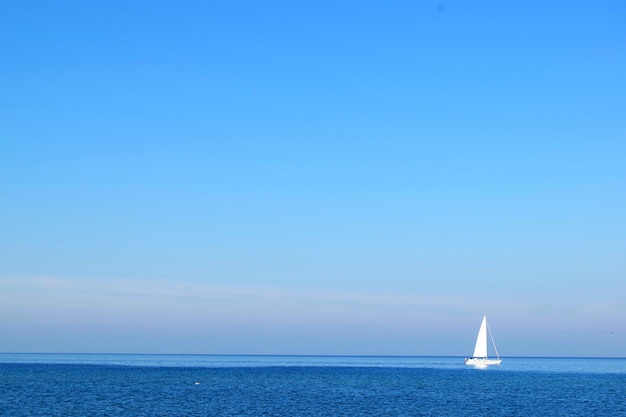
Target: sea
x,y
223,385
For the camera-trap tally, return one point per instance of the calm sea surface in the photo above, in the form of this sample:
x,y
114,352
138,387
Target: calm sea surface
x,y
198,385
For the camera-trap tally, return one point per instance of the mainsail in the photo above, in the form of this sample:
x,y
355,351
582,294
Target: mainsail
x,y
480,350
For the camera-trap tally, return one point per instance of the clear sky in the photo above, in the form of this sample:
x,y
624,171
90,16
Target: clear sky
x,y
313,177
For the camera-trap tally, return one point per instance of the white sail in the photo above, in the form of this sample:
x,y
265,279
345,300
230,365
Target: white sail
x,y
480,349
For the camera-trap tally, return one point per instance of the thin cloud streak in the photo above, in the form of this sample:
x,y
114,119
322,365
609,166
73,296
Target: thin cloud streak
x,y
58,291
162,289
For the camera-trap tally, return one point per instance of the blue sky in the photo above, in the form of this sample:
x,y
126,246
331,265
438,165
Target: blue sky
x,y
312,177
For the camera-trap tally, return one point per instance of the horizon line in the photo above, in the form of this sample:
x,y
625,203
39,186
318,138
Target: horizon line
x,y
300,355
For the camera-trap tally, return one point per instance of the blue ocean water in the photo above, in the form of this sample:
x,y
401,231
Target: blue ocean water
x,y
197,385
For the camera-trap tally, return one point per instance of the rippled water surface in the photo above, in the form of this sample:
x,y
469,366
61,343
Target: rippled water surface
x,y
180,385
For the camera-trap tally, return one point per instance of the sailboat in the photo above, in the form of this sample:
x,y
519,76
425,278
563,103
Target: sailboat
x,y
480,358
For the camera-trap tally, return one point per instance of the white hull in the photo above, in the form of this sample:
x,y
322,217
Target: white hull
x,y
482,361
